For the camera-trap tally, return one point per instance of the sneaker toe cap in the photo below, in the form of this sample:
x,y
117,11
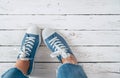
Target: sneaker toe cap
x,y
47,32
34,30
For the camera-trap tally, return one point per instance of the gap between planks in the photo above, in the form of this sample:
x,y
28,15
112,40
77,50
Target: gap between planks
x,y
63,14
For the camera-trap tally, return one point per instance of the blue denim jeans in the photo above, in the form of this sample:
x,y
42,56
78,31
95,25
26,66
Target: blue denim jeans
x,y
13,73
70,71
64,71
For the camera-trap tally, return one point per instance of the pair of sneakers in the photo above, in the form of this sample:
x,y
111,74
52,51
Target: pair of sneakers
x,y
52,40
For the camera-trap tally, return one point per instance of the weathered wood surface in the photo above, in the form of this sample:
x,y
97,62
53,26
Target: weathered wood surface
x,y
70,22
72,37
91,27
59,7
83,54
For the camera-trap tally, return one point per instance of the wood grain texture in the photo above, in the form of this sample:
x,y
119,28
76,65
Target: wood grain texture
x,y
59,7
72,37
83,54
72,22
91,27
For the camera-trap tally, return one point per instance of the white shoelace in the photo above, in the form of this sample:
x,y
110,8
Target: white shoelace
x,y
60,48
26,48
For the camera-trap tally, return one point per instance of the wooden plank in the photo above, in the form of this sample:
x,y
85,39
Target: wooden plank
x,y
60,7
83,54
93,70
76,22
72,37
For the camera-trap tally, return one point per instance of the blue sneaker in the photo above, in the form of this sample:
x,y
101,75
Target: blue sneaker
x,y
56,44
30,43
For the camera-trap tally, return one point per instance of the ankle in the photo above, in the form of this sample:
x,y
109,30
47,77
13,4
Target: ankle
x,y
70,59
22,65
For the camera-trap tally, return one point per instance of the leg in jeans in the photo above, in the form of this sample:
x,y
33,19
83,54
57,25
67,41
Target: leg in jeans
x,y
13,73
26,55
70,69
60,49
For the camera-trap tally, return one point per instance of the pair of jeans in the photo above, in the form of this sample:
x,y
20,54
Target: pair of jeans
x,y
64,71
13,73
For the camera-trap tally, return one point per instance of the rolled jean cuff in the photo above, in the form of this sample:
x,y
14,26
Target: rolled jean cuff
x,y
13,73
69,70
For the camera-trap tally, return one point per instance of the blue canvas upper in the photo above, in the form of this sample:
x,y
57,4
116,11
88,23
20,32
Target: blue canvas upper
x,y
29,45
56,39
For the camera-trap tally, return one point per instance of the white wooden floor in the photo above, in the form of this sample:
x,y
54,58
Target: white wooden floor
x,y
91,27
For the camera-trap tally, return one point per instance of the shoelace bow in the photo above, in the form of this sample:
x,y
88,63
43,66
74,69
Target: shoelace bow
x,y
60,48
